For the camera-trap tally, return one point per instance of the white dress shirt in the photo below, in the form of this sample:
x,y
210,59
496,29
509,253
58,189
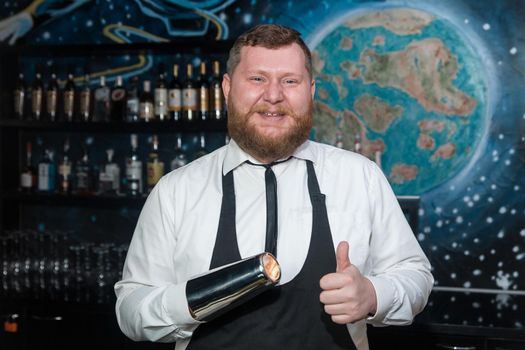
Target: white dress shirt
x,y
175,235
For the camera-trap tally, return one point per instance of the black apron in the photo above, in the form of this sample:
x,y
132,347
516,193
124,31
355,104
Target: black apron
x,y
289,316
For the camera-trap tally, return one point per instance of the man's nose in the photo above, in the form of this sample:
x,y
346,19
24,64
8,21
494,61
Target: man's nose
x,y
273,92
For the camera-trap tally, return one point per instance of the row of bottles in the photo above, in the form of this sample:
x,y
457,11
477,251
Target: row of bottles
x,y
82,176
195,98
373,153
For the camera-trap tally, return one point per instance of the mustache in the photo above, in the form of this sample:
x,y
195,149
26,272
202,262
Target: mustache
x,y
266,109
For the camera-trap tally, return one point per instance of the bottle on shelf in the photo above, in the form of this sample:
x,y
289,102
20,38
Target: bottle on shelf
x,y
189,96
377,159
132,101
339,139
134,169
175,96
20,97
102,103
179,156
69,96
161,95
357,143
154,166
204,94
216,97
146,103
65,168
118,100
201,151
47,172
86,98
109,176
37,95
84,177
52,96
28,174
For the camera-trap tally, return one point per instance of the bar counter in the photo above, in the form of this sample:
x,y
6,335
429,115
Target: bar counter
x,y
457,318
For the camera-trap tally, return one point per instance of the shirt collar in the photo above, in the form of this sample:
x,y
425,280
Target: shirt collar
x,y
235,156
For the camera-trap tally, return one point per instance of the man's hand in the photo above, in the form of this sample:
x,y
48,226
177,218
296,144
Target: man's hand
x,y
347,295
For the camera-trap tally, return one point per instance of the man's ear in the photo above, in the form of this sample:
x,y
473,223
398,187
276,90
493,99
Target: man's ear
x,y
312,88
226,85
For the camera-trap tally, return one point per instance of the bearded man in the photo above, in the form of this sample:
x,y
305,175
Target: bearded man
x,y
273,190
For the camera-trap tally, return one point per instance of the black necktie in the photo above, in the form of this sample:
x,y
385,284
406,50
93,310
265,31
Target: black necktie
x,y
271,210
271,206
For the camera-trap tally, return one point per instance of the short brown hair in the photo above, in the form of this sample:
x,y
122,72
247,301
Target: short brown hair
x,y
270,36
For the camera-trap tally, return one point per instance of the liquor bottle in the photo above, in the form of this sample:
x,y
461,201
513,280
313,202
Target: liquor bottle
x,y
52,96
201,151
204,94
28,174
47,172
179,157
65,170
132,103
357,143
146,106
189,96
175,96
101,108
118,101
216,96
377,159
109,177
84,179
134,169
86,99
20,97
69,96
37,95
339,139
155,167
161,95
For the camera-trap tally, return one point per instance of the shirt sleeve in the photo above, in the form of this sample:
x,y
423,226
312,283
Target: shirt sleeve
x,y
150,305
401,272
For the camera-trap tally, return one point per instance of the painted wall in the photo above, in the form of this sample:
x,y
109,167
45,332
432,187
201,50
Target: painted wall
x,y
432,88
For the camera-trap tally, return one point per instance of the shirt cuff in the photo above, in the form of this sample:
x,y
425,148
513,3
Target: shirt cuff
x,y
177,305
385,298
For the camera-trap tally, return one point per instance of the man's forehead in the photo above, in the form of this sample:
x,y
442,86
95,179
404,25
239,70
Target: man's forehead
x,y
288,55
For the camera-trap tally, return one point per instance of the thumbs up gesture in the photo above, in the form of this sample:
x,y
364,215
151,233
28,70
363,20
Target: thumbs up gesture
x,y
347,295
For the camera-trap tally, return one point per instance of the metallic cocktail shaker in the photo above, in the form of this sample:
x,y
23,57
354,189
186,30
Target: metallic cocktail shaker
x,y
217,291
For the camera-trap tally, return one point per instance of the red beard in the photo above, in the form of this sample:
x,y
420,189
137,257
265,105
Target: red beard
x,y
266,148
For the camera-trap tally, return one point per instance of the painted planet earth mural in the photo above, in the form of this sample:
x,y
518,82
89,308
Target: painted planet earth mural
x,y
402,85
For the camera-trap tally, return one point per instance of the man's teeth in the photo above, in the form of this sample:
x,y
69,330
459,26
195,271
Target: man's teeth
x,y
272,114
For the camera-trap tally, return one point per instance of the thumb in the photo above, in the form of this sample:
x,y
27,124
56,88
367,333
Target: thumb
x,y
341,256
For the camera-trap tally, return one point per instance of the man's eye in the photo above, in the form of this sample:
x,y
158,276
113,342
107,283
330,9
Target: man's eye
x,y
290,81
256,79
